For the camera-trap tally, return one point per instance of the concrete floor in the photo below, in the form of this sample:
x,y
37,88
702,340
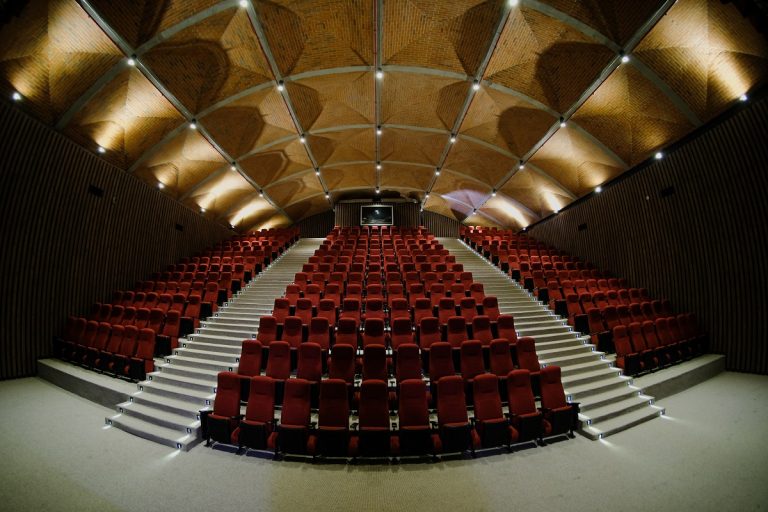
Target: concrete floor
x,y
709,453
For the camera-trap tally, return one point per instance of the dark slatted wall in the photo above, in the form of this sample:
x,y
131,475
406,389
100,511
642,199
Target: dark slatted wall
x,y
440,225
64,247
405,214
316,226
693,228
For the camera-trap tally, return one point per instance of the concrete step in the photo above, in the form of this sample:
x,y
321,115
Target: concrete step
x,y
623,422
178,407
588,366
601,399
206,355
595,388
186,371
591,376
618,408
184,382
160,417
162,435
187,361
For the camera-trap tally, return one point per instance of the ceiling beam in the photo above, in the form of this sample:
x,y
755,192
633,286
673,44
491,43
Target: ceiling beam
x,y
571,22
471,93
378,17
129,51
604,74
265,48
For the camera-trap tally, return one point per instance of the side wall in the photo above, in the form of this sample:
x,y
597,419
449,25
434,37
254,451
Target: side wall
x,y
64,247
691,227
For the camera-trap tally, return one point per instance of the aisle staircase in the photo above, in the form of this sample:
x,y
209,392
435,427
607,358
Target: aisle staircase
x,y
609,401
166,407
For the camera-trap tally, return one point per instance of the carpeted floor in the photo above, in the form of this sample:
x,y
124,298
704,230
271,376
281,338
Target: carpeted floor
x,y
709,453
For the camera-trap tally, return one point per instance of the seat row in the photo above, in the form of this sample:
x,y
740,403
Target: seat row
x,y
124,351
120,331
376,432
599,306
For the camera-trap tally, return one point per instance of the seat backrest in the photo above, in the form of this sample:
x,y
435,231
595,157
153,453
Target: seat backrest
x,y
227,402
310,364
261,400
485,395
636,335
481,329
552,393
429,331
118,332
471,359
250,358
374,362
456,332
293,331
267,329
342,365
649,333
334,404
506,328
520,393
401,332
446,309
373,410
412,404
296,403
408,362
347,331
451,401
621,341
102,336
279,360
128,343
440,361
491,307
500,357
526,354
145,344
319,332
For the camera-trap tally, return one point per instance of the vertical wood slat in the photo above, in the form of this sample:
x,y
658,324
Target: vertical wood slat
x,y
703,246
64,248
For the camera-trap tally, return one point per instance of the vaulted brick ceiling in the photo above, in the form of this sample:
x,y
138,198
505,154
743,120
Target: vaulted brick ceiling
x,y
289,113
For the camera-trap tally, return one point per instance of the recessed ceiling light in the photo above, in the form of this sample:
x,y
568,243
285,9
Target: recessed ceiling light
x,y
161,185
302,139
476,86
378,191
562,123
202,210
378,130
193,125
280,86
378,167
557,211
625,59
437,172
101,150
379,74
493,194
243,3
426,196
513,3
16,96
453,139
598,189
261,193
232,167
317,172
131,61
327,196
521,166
659,155
743,97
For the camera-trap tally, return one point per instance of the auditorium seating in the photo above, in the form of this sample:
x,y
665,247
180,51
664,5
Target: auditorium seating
x,y
385,360
593,302
169,304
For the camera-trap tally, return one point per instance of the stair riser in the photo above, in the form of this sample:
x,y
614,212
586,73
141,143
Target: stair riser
x,y
156,420
168,380
190,412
